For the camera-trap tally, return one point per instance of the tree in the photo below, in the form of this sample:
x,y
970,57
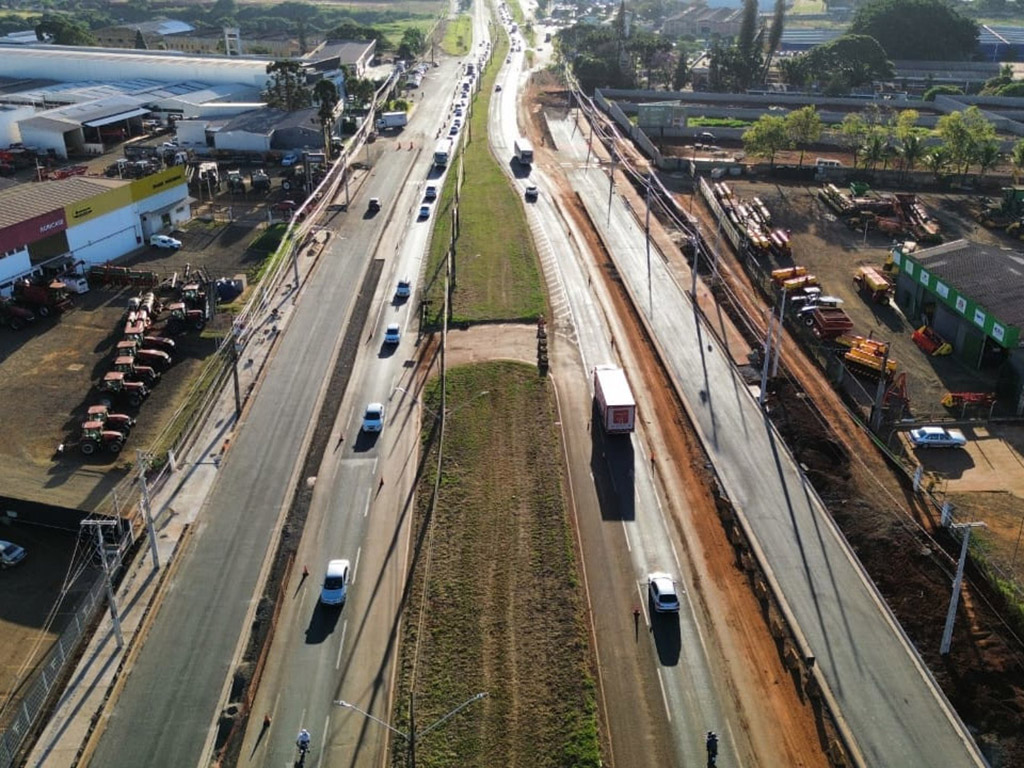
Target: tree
x,y
325,96
748,29
936,160
63,30
911,150
1017,160
413,42
905,122
681,76
766,137
359,90
803,126
140,40
987,157
931,30
846,62
873,150
962,134
774,36
852,130
935,90
286,89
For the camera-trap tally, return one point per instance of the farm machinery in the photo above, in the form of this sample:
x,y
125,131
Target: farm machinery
x,y
43,298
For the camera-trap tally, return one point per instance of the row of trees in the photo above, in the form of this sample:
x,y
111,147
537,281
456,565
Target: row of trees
x,y
745,63
965,139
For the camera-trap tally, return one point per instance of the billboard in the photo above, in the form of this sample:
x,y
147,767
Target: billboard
x,y
97,205
665,114
158,182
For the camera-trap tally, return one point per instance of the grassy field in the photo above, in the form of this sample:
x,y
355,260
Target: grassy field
x,y
504,608
458,35
395,29
516,10
497,272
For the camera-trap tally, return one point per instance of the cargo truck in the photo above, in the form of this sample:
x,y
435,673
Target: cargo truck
x,y
614,400
524,151
391,120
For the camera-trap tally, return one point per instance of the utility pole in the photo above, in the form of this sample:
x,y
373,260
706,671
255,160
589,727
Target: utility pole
x,y
883,380
611,182
143,463
647,234
234,377
767,360
778,341
954,601
97,525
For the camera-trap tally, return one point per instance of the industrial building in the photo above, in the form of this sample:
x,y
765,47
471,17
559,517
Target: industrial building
x,y
970,294
85,220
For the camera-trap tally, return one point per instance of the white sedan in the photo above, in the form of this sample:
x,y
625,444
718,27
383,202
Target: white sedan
x,y
163,241
373,418
662,591
937,437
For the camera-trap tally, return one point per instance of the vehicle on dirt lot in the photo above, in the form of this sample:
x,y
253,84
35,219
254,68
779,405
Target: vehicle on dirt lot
x,y
13,316
181,318
155,358
44,299
11,554
95,439
116,385
284,206
137,332
937,437
373,417
193,295
121,422
662,591
164,241
144,373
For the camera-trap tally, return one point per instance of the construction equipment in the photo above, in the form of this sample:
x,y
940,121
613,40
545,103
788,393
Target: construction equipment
x,y
1007,213
136,332
930,342
116,385
181,318
121,422
828,322
873,283
867,356
44,299
95,439
193,296
793,279
13,316
144,373
960,399
154,358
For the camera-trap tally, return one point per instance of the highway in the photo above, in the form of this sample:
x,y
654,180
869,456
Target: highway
x,y
681,696
882,689
167,712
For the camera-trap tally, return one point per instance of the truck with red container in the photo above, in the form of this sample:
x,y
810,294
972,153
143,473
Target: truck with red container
x,y
614,400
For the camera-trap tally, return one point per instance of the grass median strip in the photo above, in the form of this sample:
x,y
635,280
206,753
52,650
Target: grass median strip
x,y
504,611
458,34
497,274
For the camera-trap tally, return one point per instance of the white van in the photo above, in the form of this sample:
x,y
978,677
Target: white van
x,y
335,583
824,162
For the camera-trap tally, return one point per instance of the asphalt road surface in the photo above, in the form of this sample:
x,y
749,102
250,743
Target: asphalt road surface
x,y
897,715
166,713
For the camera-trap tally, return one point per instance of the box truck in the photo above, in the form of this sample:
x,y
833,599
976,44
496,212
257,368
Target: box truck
x,y
524,151
389,120
614,399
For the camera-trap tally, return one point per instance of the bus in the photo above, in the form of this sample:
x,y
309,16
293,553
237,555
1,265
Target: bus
x,y
442,153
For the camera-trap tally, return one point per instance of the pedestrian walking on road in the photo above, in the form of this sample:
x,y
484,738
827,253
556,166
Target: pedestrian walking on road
x,y
636,622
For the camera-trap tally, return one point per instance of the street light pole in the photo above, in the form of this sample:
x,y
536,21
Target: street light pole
x,y
413,736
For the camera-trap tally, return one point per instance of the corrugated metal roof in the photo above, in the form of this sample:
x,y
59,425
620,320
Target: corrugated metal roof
x,y
30,199
990,276
49,123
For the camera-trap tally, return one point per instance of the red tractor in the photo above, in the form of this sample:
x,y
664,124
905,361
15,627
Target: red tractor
x,y
193,296
183,319
154,358
116,385
13,316
45,299
95,439
137,332
120,422
144,373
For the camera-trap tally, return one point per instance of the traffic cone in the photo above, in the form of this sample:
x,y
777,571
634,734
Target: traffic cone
x,y
266,720
305,572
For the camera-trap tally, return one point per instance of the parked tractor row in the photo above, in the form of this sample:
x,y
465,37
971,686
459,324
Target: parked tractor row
x,y
900,214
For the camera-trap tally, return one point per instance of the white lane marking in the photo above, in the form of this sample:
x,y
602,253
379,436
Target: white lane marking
x,y
625,532
355,568
341,645
366,509
664,696
323,741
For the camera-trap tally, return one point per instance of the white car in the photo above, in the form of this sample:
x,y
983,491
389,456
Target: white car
x,y
373,418
937,437
393,333
163,241
335,587
10,554
662,591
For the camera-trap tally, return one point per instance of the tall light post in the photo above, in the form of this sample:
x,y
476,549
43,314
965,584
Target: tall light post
x,y
414,735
